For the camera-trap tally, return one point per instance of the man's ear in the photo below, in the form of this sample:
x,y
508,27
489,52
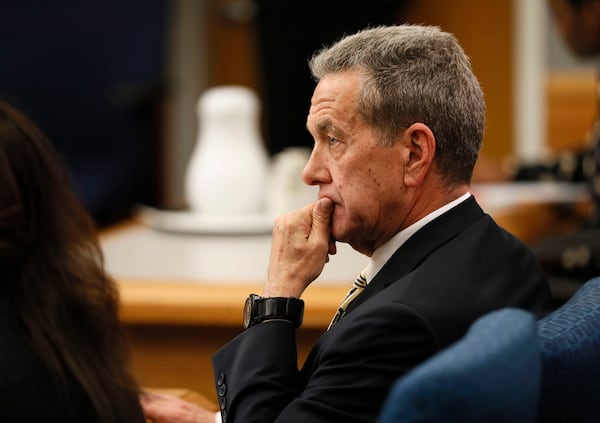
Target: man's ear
x,y
419,143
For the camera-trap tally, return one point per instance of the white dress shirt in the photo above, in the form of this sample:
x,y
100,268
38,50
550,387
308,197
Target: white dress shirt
x,y
382,254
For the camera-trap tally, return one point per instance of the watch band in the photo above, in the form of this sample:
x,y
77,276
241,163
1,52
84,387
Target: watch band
x,y
258,309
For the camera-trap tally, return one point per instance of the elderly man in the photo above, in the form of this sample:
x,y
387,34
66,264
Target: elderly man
x,y
397,118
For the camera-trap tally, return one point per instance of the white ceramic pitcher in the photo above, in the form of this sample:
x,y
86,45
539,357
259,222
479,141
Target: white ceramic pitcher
x,y
227,173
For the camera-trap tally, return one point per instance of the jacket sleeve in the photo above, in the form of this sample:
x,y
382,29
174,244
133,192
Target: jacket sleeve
x,y
346,377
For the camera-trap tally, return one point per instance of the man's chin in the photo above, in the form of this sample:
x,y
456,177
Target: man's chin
x,y
339,233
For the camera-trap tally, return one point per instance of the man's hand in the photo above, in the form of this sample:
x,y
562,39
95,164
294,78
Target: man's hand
x,y
164,408
299,250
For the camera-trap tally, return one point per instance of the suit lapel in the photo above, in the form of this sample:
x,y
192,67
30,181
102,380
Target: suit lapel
x,y
420,245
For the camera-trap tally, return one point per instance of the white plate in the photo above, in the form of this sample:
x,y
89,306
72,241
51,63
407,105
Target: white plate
x,y
196,223
499,195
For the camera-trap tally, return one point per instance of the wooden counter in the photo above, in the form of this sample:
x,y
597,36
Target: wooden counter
x,y
174,328
211,304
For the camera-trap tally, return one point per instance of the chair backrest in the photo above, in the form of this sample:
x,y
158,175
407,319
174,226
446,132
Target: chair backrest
x,y
491,375
570,348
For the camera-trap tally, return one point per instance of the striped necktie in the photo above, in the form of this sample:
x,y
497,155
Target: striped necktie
x,y
357,287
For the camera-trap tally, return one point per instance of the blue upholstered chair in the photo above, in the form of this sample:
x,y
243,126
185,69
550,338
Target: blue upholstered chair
x,y
491,375
570,348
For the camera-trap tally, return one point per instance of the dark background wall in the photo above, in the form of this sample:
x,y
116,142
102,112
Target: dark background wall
x,y
90,73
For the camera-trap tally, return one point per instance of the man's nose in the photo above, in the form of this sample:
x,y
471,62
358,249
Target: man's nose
x,y
315,171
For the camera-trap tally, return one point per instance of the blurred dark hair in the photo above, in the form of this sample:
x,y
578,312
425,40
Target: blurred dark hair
x,y
53,272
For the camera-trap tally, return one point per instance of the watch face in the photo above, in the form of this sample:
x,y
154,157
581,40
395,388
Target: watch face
x,y
247,311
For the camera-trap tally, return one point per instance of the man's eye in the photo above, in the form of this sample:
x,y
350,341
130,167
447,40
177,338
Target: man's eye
x,y
333,141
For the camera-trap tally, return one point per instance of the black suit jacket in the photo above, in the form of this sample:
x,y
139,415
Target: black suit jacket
x,y
456,268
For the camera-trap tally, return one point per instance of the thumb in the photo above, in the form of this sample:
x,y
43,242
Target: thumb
x,y
322,216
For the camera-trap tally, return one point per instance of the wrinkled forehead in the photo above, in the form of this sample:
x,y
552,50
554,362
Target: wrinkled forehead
x,y
335,94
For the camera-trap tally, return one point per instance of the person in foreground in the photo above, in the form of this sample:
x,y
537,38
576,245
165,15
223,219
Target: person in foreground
x,y
63,355
398,118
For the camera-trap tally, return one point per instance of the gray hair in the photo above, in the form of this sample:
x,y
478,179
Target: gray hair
x,y
414,73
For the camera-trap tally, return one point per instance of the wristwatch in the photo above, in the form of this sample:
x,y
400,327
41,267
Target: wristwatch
x,y
258,309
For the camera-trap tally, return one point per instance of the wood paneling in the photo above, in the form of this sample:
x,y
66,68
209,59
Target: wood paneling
x,y
231,48
180,357
572,108
484,29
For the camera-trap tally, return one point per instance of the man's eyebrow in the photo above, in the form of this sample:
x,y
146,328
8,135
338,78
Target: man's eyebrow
x,y
325,126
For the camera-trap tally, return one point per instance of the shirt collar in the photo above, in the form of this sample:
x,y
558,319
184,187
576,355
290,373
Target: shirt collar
x,y
382,254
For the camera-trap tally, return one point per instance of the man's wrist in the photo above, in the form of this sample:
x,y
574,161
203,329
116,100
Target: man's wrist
x,y
280,289
258,309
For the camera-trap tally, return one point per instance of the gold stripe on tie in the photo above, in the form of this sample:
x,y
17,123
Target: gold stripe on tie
x,y
357,287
